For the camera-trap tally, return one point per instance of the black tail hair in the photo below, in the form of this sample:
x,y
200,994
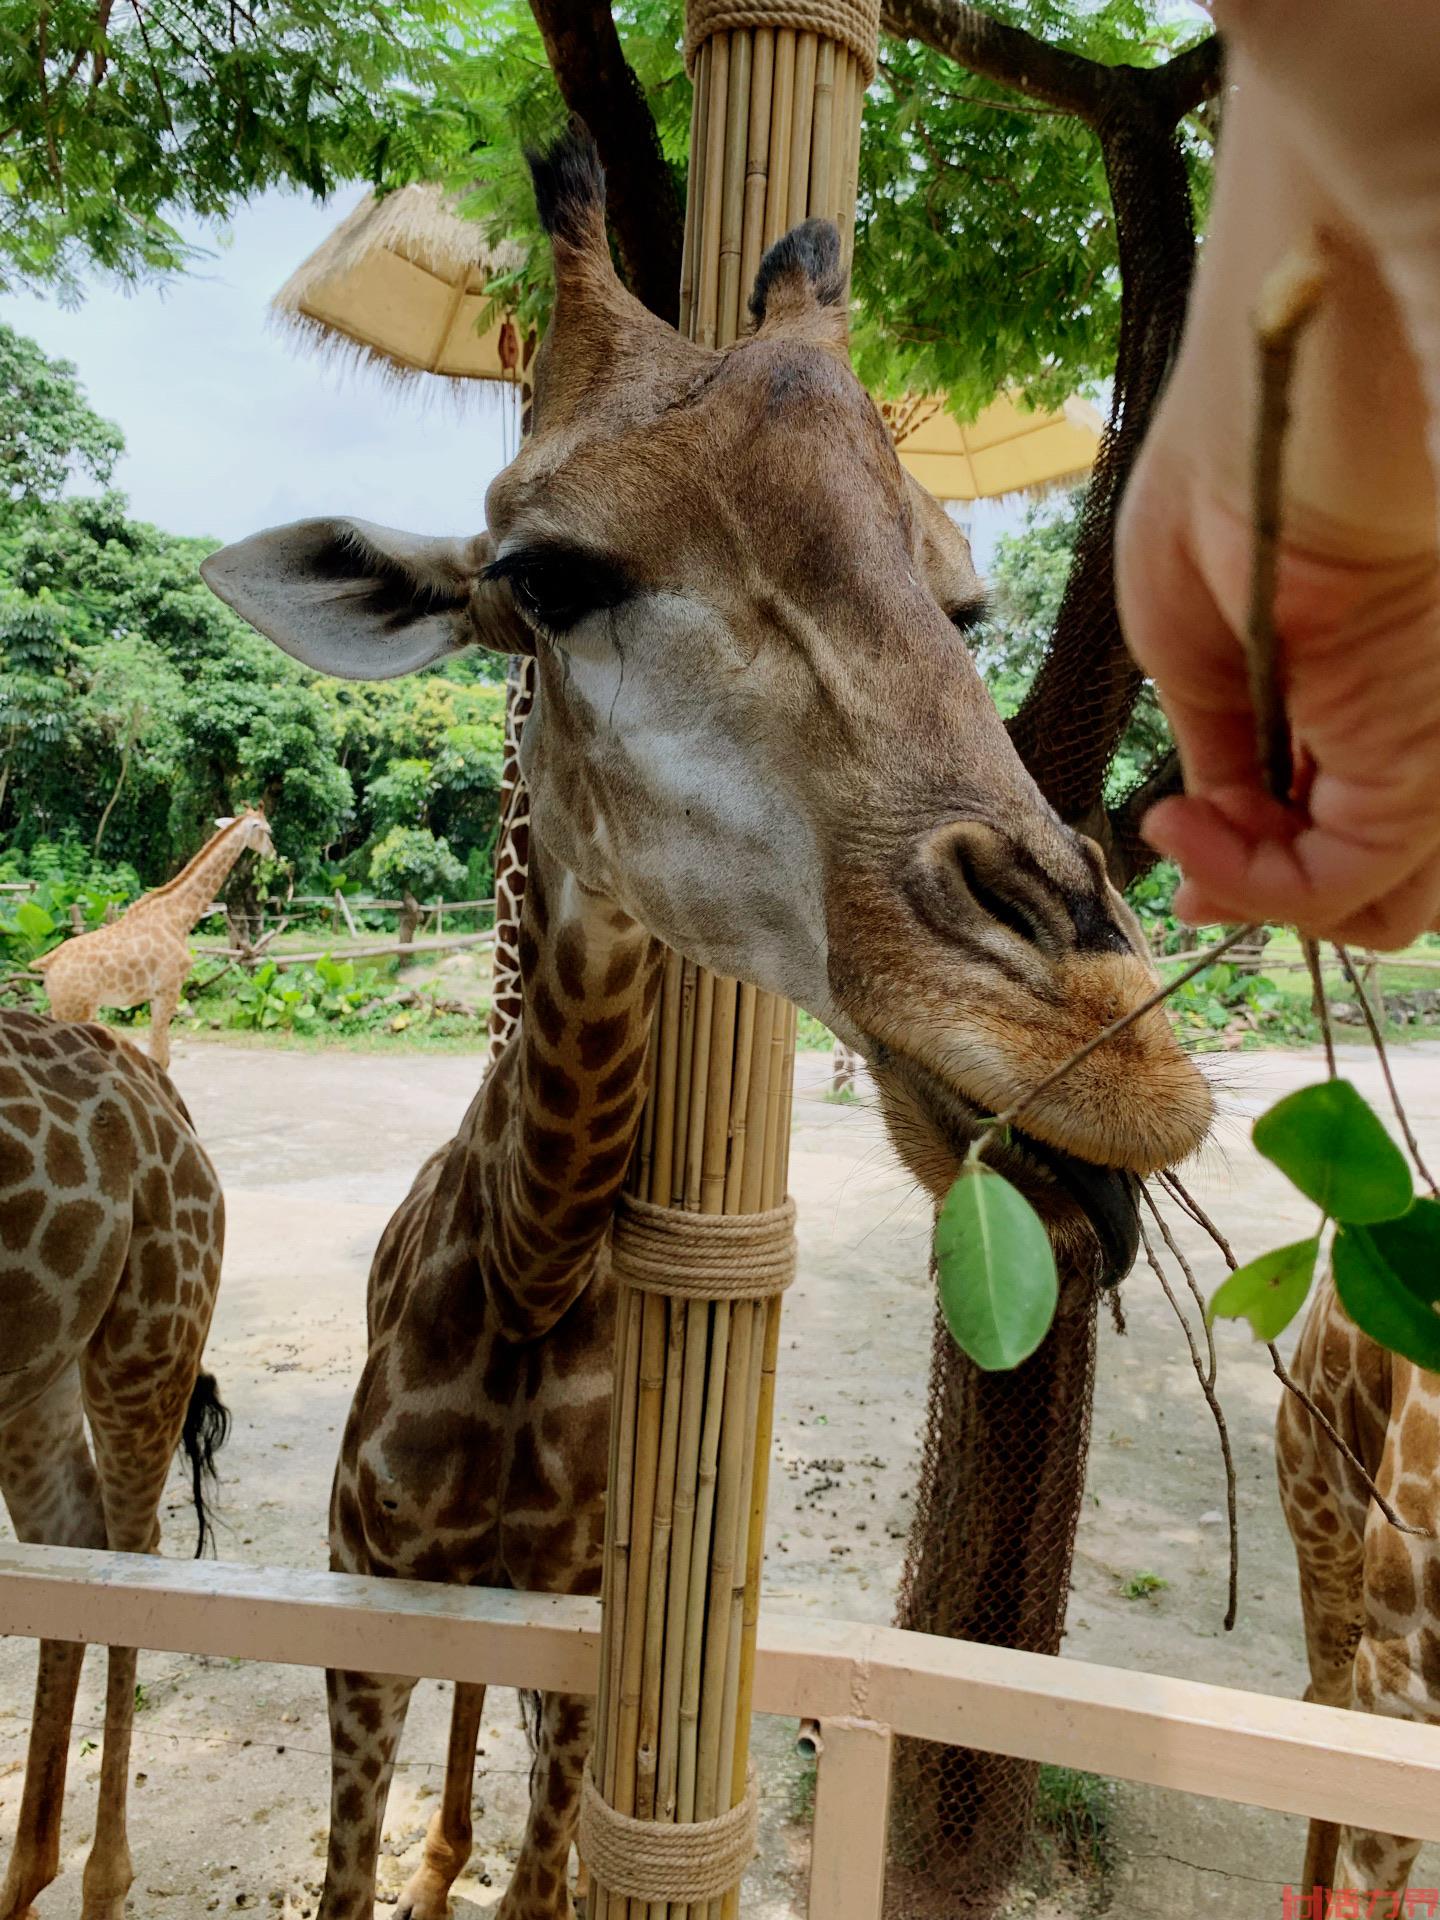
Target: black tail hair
x,y
206,1428
569,184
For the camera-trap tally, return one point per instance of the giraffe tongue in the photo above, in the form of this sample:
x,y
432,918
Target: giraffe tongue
x,y
1107,1198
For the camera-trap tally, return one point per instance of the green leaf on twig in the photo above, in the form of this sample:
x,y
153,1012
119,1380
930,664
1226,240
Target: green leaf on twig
x,y
998,1285
1270,1291
1388,1279
1335,1149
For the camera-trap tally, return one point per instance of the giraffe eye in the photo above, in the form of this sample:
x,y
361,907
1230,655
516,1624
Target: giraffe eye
x,y
556,587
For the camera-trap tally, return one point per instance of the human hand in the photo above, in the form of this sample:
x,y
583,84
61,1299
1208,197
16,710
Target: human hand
x,y
1356,854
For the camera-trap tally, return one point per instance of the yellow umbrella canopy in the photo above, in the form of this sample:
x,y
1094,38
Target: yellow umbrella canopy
x,y
1006,450
401,283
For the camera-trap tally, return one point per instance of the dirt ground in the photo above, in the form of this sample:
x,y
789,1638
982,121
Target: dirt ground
x,y
230,1761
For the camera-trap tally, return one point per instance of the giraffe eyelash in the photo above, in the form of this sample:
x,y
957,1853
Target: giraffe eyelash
x,y
556,587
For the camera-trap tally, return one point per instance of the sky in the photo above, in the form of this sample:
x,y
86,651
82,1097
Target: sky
x,y
230,427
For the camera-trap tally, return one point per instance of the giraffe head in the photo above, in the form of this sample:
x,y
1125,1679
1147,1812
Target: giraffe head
x,y
252,832
758,728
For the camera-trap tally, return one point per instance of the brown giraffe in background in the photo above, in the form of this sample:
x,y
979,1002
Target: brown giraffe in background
x,y
142,956
757,736
1370,1594
112,1221
512,858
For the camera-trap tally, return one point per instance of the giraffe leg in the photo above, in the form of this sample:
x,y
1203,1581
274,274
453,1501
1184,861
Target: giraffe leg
x,y
450,1833
49,1484
1325,1532
367,1715
1394,1666
136,1407
539,1887
162,1012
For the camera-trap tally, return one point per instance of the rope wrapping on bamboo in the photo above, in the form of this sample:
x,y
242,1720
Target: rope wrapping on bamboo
x,y
703,1256
694,1861
853,23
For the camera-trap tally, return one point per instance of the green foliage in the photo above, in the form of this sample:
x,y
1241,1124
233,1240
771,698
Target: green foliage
x,y
47,429
63,877
117,122
996,1272
1386,1248
135,708
1388,1279
1329,1143
413,860
1209,1008
1270,1291
333,998
985,253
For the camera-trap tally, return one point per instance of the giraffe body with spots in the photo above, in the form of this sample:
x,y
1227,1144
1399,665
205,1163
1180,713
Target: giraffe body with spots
x,y
111,1224
1370,1593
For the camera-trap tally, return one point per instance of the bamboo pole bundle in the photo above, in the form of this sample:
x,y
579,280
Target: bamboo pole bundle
x,y
774,139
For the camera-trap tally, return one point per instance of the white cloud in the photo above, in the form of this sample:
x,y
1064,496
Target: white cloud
x,y
229,428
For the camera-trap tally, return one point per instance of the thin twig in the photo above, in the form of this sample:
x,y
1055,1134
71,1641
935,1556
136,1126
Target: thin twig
x,y
1194,1285
998,1122
1207,1387
1288,301
1171,1182
1347,1452
1311,950
1342,954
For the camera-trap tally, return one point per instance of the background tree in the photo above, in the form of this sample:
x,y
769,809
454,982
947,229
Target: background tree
x,y
48,432
135,708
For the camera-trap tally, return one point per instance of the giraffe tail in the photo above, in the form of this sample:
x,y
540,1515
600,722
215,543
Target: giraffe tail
x,y
207,1425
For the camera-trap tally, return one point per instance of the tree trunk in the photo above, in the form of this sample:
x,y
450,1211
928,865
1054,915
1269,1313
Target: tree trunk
x,y
989,1559
1073,717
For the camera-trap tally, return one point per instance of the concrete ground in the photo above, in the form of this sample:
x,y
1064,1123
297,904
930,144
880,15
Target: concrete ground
x,y
315,1149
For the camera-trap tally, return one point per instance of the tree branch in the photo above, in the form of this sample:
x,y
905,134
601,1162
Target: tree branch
x,y
1007,54
1070,81
1189,79
598,84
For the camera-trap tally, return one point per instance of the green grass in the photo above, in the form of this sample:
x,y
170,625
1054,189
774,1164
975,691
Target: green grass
x,y
1075,1812
1140,1586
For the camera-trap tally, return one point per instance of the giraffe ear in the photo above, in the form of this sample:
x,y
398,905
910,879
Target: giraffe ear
x,y
366,602
800,286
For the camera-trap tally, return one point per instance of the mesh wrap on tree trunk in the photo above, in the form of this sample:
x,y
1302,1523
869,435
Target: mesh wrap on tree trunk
x,y
1002,1472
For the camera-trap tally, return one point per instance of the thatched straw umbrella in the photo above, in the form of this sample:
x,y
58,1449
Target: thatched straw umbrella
x,y
402,284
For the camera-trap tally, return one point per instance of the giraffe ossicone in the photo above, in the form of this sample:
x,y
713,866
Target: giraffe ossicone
x,y
757,736
142,957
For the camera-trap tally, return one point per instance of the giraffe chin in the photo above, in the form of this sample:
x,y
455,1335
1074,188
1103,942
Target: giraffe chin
x,y
1092,1212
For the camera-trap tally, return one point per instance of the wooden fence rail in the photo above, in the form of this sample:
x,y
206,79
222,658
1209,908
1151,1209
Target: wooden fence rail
x,y
862,1684
444,943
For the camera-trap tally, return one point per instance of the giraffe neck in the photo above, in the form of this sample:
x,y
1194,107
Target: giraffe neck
x,y
549,1137
182,900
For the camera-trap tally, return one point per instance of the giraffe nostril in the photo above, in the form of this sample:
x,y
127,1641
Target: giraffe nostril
x,y
990,895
